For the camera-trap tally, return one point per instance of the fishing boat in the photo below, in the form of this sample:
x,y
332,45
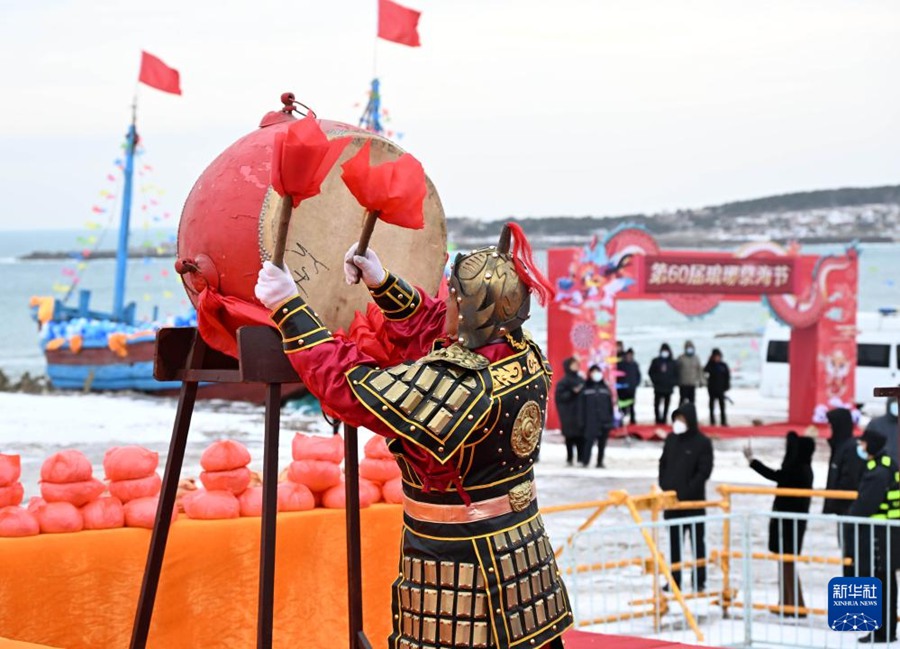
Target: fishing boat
x,y
88,349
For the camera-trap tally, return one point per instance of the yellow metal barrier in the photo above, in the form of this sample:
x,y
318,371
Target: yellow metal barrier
x,y
728,491
661,564
657,501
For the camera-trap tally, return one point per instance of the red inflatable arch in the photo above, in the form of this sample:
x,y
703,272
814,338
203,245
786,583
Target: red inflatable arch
x,y
815,296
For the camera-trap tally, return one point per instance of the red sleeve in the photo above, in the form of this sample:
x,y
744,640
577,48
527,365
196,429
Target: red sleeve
x,y
413,320
416,335
322,361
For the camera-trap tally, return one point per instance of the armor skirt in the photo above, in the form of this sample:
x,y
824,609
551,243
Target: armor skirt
x,y
461,589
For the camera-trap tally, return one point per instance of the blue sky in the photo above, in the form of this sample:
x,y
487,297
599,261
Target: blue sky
x,y
568,107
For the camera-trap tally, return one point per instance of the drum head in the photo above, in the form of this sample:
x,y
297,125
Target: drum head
x,y
323,227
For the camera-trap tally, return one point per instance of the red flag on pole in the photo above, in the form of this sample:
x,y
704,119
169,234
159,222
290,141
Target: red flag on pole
x,y
397,23
157,74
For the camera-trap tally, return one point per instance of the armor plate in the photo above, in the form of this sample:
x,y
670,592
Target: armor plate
x,y
436,402
489,582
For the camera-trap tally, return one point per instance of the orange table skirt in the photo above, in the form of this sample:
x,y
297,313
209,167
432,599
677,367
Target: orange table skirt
x,y
76,591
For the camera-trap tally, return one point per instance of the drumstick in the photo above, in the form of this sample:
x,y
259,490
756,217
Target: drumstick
x,y
302,156
284,220
392,191
366,234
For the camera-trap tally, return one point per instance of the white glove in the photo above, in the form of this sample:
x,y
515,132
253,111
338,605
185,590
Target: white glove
x,y
274,285
369,266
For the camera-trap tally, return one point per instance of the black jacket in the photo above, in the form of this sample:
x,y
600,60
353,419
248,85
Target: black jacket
x,y
686,463
873,487
630,379
663,375
844,467
595,409
718,377
795,473
566,396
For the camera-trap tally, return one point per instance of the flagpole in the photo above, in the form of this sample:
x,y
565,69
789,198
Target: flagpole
x,y
124,221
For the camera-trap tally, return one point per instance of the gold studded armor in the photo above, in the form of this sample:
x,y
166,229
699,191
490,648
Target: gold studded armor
x,y
470,581
436,402
476,567
396,298
492,298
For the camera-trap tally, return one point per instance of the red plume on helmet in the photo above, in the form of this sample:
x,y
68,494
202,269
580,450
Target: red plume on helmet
x,y
526,269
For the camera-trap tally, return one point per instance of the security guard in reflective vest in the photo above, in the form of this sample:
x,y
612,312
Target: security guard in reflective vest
x,y
877,547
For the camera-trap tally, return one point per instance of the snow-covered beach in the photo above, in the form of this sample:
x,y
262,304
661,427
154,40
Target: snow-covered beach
x,y
35,426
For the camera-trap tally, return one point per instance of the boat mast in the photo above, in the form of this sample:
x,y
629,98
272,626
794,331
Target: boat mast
x,y
371,117
124,222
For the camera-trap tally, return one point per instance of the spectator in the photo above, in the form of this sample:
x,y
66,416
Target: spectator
x,y
595,414
844,466
684,467
566,395
844,469
628,382
878,500
886,425
786,535
664,376
718,382
690,374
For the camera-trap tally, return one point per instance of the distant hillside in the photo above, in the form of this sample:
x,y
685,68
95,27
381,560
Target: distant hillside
x,y
820,199
866,214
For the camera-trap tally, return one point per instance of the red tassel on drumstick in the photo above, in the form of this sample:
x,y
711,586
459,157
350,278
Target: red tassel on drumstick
x,y
302,157
393,192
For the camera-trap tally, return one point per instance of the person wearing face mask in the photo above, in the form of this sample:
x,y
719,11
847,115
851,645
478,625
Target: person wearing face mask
x,y
886,425
684,467
844,466
690,374
664,377
877,547
566,395
595,414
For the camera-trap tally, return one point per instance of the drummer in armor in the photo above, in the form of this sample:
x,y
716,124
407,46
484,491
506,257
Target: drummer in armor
x,y
463,417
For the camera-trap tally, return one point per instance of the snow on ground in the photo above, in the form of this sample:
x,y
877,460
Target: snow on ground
x,y
36,426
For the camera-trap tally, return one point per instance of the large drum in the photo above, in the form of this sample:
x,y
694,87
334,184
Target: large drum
x,y
229,220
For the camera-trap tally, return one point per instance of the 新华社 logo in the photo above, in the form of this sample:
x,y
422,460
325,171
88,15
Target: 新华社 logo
x,y
854,604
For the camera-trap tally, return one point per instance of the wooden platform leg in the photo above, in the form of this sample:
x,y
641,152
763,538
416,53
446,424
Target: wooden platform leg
x,y
357,638
269,518
186,400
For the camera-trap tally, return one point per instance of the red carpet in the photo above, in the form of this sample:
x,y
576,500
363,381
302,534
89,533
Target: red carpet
x,y
584,640
647,432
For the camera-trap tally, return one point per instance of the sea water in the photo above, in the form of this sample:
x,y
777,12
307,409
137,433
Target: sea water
x,y
735,328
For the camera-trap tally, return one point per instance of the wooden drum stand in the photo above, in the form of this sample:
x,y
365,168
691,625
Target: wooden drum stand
x,y
181,355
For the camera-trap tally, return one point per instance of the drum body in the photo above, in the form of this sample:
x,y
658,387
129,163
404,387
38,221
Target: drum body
x,y
228,227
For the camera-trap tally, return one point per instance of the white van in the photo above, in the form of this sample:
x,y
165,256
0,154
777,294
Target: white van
x,y
877,349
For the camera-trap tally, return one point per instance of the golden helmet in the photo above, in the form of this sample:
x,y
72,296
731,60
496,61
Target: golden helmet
x,y
493,287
